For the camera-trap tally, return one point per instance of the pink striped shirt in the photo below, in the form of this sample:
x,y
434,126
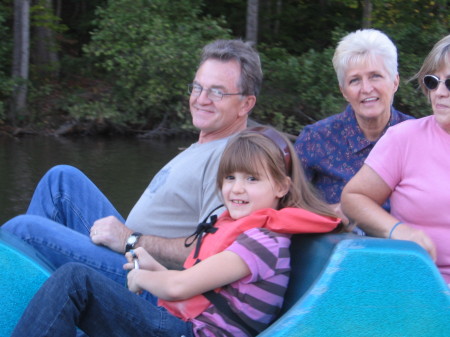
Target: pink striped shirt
x,y
257,298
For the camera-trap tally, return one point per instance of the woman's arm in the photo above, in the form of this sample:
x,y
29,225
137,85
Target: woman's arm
x,y
172,285
361,201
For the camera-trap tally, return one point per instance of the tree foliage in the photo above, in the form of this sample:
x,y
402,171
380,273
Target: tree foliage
x,y
300,87
6,84
150,52
414,26
128,61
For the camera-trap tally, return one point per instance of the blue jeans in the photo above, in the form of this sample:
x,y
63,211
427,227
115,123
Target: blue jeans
x,y
64,206
75,295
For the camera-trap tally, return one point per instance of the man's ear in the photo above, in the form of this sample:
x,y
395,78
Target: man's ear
x,y
247,105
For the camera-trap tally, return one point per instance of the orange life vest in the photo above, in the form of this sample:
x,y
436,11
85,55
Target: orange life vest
x,y
286,221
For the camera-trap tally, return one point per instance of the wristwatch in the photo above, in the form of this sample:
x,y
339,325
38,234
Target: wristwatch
x,y
132,240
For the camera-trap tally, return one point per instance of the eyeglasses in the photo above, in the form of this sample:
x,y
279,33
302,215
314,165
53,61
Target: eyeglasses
x,y
432,82
214,94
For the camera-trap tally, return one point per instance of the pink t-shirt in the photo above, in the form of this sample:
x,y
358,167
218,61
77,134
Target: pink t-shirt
x,y
413,158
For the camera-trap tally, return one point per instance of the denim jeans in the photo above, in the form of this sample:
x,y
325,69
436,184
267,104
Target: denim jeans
x,y
64,206
75,295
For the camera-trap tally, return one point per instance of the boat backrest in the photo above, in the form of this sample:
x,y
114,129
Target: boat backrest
x,y
347,285
341,285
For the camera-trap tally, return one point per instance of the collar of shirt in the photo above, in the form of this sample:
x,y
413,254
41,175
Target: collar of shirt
x,y
353,133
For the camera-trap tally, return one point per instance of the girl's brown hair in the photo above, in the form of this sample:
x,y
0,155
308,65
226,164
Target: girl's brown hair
x,y
250,151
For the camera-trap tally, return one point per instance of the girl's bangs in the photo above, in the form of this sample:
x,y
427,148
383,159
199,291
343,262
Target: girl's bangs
x,y
241,157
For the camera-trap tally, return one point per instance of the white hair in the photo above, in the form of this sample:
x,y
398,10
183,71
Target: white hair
x,y
361,45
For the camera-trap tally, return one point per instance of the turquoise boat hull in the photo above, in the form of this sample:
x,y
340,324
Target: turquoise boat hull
x,y
341,285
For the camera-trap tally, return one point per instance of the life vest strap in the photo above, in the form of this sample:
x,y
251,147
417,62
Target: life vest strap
x,y
203,227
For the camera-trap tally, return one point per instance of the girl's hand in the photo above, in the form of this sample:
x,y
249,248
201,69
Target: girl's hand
x,y
146,261
132,281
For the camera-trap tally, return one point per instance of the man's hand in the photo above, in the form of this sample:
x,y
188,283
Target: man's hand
x,y
110,232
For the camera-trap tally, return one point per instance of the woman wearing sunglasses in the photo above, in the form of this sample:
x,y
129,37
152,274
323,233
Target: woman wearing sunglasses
x,y
411,166
334,149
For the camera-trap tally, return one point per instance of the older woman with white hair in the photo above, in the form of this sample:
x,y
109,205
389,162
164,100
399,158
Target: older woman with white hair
x,y
334,149
410,165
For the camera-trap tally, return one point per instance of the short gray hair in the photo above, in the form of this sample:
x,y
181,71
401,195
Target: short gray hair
x,y
360,45
242,52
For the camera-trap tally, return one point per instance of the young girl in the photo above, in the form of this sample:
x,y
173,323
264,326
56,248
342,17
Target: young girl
x,y
235,277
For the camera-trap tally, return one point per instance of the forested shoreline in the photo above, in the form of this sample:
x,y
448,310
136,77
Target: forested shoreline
x,y
98,67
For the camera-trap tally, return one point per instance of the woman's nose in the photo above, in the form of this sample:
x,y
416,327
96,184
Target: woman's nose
x,y
441,89
366,85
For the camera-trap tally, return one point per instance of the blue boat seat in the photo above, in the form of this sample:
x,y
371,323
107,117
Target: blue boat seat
x,y
341,285
348,285
23,271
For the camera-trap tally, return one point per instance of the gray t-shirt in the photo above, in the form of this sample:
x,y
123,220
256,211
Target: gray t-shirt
x,y
181,194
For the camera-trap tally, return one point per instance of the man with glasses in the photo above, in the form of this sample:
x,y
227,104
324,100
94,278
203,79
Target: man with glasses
x,y
69,219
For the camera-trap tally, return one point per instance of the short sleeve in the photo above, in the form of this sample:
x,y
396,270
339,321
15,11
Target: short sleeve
x,y
386,157
266,253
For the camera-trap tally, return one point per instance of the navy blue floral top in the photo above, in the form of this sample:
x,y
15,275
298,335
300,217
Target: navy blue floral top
x,y
334,149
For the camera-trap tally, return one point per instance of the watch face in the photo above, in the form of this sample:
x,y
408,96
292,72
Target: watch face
x,y
131,239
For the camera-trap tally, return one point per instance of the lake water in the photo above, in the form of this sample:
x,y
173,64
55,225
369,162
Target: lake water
x,y
121,167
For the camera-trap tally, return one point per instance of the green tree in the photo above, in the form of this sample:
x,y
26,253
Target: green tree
x,y
5,59
298,90
301,89
129,61
148,51
414,26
